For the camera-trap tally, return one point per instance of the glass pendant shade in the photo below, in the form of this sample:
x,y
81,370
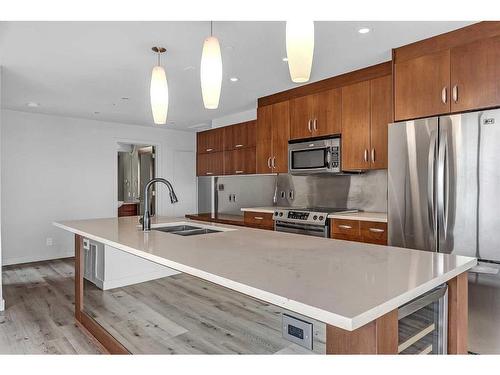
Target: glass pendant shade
x,y
159,95
300,49
211,72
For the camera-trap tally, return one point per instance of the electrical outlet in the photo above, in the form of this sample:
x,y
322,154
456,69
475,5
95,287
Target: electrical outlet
x,y
49,241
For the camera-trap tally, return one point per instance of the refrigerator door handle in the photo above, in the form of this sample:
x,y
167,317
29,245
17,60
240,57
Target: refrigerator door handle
x,y
443,185
430,181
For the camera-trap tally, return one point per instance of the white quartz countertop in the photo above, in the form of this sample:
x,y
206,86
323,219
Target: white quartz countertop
x,y
342,283
268,210
363,216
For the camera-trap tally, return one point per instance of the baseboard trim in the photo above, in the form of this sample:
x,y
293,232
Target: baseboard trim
x,y
39,258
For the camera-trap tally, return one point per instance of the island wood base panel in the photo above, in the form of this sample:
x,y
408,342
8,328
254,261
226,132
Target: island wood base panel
x,y
381,335
377,337
85,321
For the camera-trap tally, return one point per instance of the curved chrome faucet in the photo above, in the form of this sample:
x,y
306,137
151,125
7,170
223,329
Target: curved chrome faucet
x,y
146,219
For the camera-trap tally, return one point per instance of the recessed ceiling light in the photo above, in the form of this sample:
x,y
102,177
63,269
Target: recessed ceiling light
x,y
285,59
233,79
32,104
364,30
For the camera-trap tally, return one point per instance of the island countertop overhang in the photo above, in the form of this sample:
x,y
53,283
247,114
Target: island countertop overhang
x,y
341,283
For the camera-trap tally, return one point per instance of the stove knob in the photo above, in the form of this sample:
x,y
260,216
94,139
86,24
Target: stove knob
x,y
315,217
275,213
321,217
281,213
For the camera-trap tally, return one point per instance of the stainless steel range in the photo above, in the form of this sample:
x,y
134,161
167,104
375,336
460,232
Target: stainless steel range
x,y
311,221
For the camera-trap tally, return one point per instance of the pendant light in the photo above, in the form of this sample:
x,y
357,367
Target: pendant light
x,y
300,49
159,91
211,71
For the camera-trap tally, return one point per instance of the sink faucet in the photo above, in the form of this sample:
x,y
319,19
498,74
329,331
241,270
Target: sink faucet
x,y
146,219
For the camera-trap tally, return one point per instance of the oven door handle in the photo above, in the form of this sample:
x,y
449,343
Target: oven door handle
x,y
307,227
328,157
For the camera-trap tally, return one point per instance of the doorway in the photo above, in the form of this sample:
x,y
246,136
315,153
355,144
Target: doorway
x,y
136,166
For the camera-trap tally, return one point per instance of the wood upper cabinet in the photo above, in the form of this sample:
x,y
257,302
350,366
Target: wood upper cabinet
x,y
327,118
422,86
475,75
366,114
210,164
301,114
316,114
273,133
239,135
239,161
210,141
356,126
381,117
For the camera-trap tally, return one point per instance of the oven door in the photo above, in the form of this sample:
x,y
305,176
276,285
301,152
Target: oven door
x,y
309,160
306,229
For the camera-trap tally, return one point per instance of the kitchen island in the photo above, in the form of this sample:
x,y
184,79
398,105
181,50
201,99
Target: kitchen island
x,y
354,288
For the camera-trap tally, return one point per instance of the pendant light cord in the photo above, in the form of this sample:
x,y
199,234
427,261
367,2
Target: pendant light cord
x,y
211,28
159,54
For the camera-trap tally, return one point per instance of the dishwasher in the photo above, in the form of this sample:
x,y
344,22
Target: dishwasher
x,y
423,323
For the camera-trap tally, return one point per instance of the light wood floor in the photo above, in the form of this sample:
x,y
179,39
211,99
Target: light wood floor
x,y
39,310
182,314
178,314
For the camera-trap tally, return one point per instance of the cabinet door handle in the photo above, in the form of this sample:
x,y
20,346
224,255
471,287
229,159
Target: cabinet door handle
x,y
269,162
365,155
238,172
315,124
309,126
444,95
209,149
454,93
258,218
209,173
342,226
376,230
273,163
373,155
237,146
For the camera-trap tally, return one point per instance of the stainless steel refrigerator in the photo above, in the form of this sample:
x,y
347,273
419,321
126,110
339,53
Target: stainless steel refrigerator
x,y
444,196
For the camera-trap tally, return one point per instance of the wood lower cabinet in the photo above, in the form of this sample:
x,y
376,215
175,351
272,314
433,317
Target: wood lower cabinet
x,y
316,115
128,209
261,220
211,164
240,161
475,75
273,133
373,232
422,86
359,231
239,136
210,141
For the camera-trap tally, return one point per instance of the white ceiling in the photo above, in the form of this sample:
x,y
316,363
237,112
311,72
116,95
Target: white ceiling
x,y
79,68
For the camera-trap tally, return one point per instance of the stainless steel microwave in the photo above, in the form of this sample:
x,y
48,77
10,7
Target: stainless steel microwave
x,y
314,156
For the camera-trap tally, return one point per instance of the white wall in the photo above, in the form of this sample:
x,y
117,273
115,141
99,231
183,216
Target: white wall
x,y
57,168
2,303
235,118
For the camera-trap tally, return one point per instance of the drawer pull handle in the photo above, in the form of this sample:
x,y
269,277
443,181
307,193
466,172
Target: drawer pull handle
x,y
258,218
238,172
376,230
209,149
209,173
345,226
238,146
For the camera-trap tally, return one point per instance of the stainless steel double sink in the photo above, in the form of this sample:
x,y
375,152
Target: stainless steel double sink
x,y
186,230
